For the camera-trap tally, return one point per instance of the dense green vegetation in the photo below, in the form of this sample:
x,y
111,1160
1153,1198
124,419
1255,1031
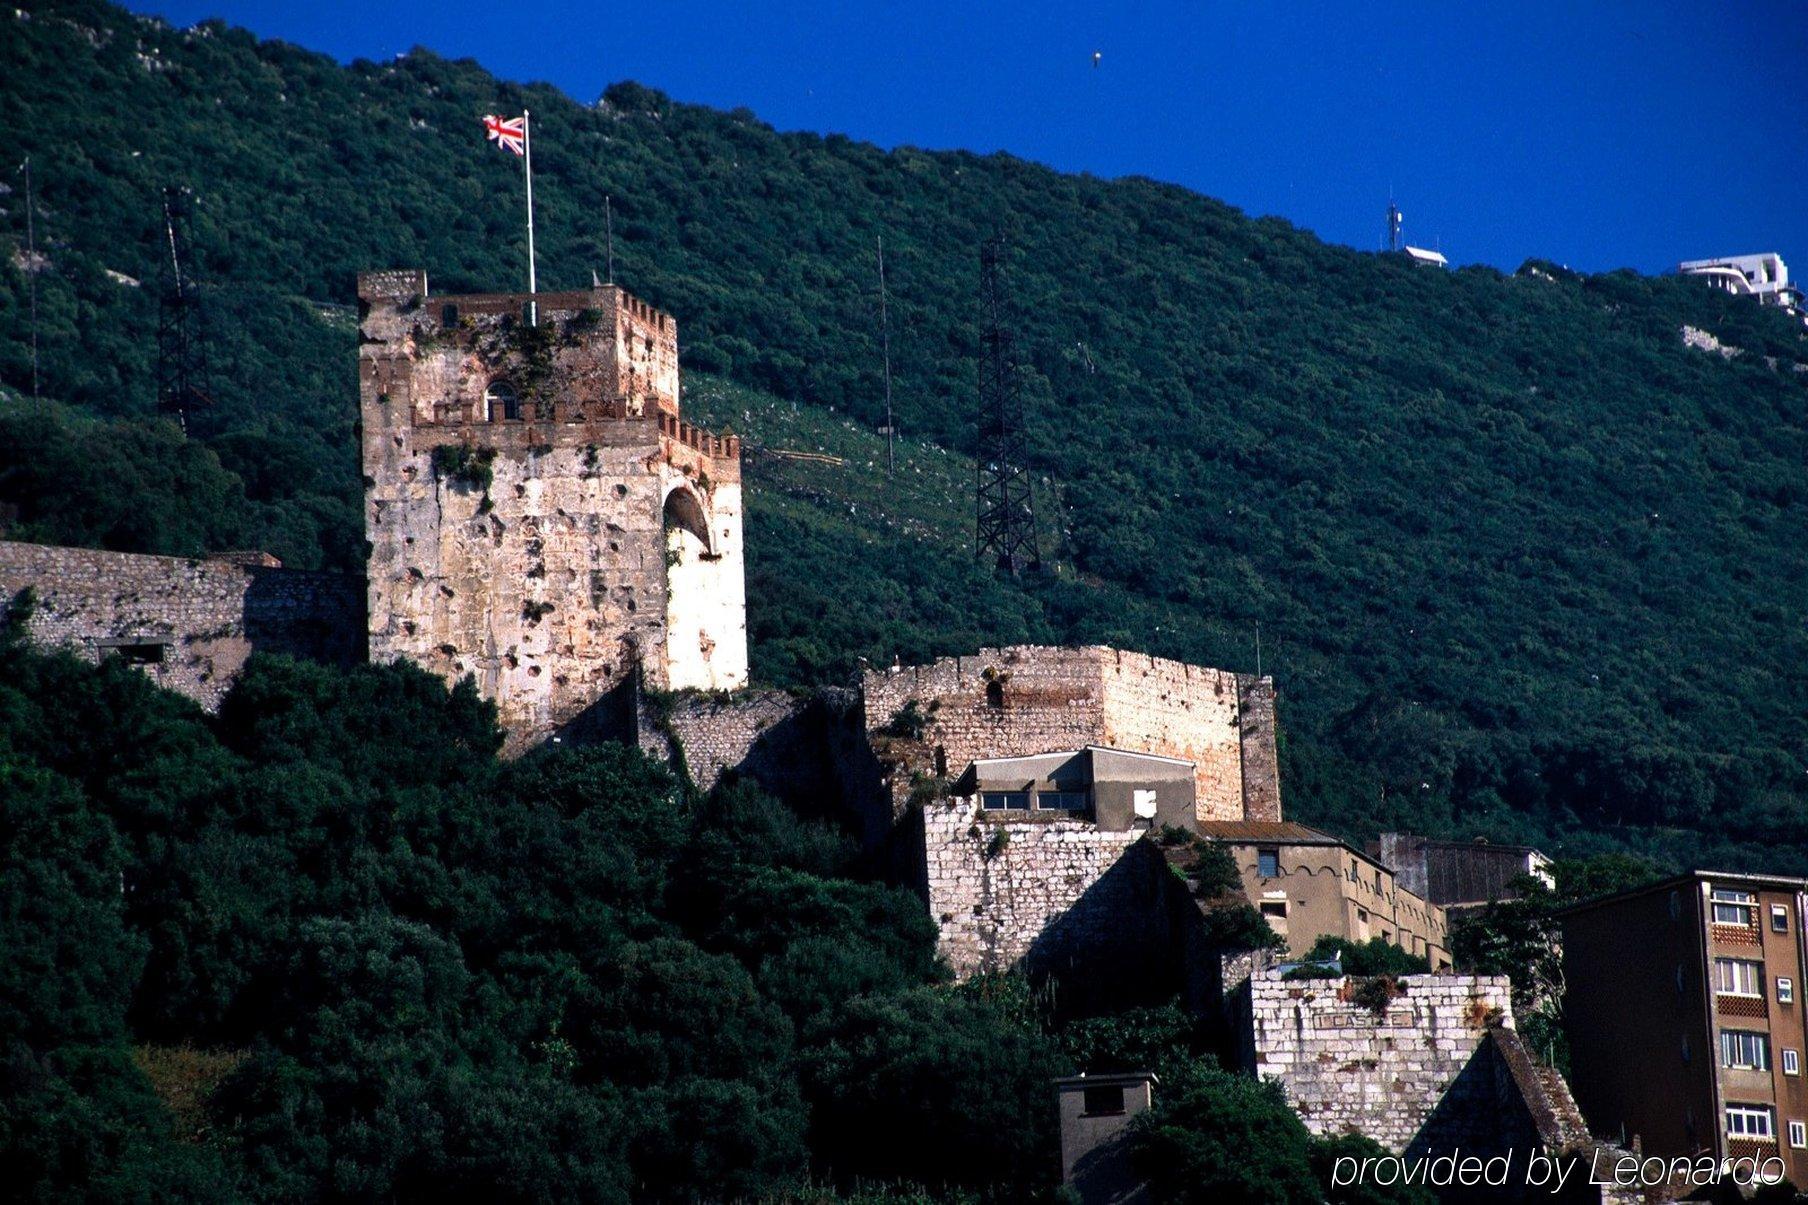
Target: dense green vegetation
x,y
1523,562
325,946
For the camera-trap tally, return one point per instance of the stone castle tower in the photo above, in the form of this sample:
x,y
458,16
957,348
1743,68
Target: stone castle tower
x,y
539,513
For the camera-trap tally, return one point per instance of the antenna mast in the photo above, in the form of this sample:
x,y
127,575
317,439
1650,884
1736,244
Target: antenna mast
x,y
1394,218
1006,525
31,271
182,379
891,427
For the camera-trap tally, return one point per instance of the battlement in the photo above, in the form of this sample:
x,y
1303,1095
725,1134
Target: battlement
x,y
590,355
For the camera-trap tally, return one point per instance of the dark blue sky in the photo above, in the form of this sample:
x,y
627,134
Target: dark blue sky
x,y
1599,135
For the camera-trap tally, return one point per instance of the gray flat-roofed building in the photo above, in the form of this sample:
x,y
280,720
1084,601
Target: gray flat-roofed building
x,y
1115,788
1096,1111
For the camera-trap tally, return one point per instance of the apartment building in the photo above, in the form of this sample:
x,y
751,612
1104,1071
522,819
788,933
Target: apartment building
x,y
1310,884
1685,1022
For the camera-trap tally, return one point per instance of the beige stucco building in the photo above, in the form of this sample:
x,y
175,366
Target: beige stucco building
x,y
1309,884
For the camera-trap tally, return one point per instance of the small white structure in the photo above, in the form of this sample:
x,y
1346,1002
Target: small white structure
x,y
1765,277
1425,258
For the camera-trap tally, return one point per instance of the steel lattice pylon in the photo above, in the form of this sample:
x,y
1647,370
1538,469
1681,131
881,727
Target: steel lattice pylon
x,y
1006,530
182,379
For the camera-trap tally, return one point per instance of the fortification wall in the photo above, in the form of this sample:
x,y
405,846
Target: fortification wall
x,y
1035,699
189,623
1349,1068
714,734
1054,896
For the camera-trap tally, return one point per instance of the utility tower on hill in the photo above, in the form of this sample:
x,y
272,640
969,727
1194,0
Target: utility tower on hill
x,y
182,381
1006,519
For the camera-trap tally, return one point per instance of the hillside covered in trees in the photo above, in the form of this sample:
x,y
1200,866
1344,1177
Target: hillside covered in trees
x,y
1524,562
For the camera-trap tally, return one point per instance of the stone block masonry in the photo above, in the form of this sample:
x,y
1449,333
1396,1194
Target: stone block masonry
x,y
713,734
189,623
1349,1068
1032,699
1087,907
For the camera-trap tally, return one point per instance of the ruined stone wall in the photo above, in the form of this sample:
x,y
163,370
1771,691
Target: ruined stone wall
x,y
1032,699
1348,1068
201,618
713,734
532,543
1057,897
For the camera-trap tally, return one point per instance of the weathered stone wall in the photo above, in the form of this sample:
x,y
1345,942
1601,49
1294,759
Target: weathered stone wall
x,y
202,616
1347,1068
1057,897
1033,699
608,528
712,733
1261,763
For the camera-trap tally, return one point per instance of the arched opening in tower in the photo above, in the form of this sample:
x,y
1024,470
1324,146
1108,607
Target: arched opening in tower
x,y
684,518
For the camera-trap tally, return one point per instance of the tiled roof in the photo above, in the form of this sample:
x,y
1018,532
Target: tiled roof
x,y
1281,832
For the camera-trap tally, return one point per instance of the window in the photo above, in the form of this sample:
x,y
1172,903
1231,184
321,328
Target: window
x,y
1737,977
500,402
1061,801
1750,1121
1745,1050
1779,918
995,694
1107,1100
1798,1134
1377,878
1785,990
1268,863
142,653
1005,801
1142,803
1733,907
1275,908
1792,1062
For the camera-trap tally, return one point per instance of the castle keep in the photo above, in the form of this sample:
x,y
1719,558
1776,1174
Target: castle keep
x,y
540,515
935,719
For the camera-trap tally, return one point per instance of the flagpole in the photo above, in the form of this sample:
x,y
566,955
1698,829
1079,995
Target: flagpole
x,y
527,147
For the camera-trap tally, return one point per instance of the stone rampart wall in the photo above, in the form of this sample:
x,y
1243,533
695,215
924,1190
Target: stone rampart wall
x,y
189,622
1347,1067
1050,895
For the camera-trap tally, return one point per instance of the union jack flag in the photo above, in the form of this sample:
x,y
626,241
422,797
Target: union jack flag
x,y
506,132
